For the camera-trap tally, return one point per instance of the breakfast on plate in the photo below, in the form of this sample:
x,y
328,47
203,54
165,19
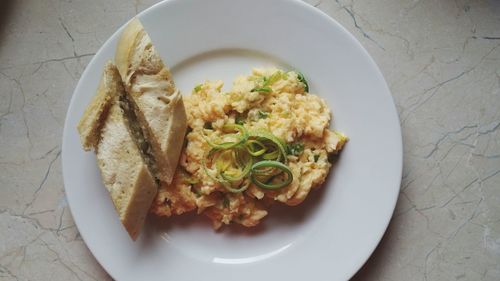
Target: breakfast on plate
x,y
228,155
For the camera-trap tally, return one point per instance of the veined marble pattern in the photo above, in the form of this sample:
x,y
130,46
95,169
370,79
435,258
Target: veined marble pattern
x,y
441,59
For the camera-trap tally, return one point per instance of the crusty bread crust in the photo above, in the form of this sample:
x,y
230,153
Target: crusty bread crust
x,y
91,122
105,129
125,46
157,104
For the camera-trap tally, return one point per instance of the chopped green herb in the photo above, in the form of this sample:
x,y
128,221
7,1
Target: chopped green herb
x,y
197,88
225,202
273,78
264,89
208,125
240,120
295,148
265,81
316,157
302,79
262,114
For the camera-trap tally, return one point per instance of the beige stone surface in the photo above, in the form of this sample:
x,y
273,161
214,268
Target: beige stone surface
x,y
441,59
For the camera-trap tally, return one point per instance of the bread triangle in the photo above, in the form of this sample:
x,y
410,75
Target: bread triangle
x,y
105,128
157,103
92,120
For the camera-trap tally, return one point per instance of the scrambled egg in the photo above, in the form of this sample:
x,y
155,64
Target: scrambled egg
x,y
283,108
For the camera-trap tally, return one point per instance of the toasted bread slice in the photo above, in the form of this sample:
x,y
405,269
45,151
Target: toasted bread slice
x,y
105,128
90,124
156,102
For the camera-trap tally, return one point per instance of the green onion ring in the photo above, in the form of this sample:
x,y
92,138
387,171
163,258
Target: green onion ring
x,y
273,164
223,165
271,155
232,163
245,167
243,187
226,145
242,156
269,136
250,146
243,161
238,177
262,90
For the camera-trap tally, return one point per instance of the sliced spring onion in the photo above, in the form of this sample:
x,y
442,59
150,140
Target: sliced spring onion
x,y
224,160
242,156
244,185
268,81
265,81
302,79
244,163
295,148
240,138
273,164
263,134
198,88
240,120
271,155
233,163
238,175
263,89
255,147
316,158
224,145
223,168
262,114
243,132
273,78
266,173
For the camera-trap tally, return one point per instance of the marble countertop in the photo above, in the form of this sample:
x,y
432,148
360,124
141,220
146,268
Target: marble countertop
x,y
440,58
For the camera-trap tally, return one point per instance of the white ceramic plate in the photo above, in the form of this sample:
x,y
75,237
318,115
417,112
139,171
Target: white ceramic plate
x,y
329,236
